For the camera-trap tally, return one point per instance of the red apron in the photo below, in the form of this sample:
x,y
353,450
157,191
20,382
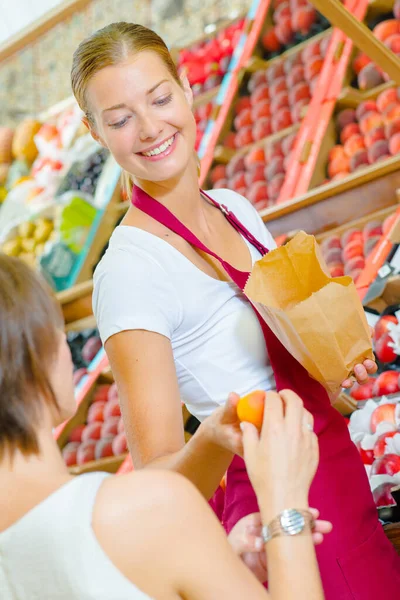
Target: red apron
x,y
356,560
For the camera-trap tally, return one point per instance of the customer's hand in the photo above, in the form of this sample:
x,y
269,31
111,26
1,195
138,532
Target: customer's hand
x,y
223,426
362,371
281,461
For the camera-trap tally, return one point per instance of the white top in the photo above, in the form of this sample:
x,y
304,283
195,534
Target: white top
x,y
52,553
142,282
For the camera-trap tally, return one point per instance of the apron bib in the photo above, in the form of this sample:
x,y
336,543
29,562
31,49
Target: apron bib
x,y
356,560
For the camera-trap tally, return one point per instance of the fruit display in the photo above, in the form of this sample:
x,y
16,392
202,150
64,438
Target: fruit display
x,y
367,74
6,142
290,22
201,115
84,175
27,241
206,62
257,175
100,433
366,135
345,252
23,144
84,346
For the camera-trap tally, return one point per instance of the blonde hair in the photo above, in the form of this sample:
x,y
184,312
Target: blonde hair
x,y
110,46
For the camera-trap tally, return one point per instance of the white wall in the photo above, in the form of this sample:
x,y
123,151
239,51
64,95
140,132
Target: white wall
x,y
17,14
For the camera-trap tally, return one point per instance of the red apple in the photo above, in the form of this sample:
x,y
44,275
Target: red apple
x,y
362,392
384,412
386,383
92,431
383,349
69,453
380,444
110,427
101,393
86,452
103,448
389,464
367,456
96,412
382,325
112,409
76,434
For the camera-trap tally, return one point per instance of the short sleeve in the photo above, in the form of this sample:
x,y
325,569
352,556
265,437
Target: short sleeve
x,y
132,291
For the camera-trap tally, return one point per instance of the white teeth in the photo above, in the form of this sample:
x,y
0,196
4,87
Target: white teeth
x,y
160,149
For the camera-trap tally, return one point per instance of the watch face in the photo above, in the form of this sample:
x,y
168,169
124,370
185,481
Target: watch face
x,y
292,522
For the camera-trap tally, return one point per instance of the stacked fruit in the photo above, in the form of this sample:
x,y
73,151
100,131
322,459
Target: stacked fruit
x,y
206,63
345,254
293,22
202,115
259,174
369,75
84,176
277,95
102,435
368,134
84,345
28,240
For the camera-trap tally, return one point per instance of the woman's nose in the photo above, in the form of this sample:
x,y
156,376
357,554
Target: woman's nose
x,y
149,128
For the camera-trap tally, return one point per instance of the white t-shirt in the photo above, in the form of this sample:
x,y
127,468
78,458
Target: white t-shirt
x,y
142,282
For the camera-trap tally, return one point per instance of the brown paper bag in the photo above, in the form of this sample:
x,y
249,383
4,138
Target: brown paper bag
x,y
319,319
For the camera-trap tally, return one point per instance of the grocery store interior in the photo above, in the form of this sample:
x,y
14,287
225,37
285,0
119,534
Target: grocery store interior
x,y
297,110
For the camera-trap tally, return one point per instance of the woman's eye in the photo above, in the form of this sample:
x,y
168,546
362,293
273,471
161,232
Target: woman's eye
x,y
119,124
163,101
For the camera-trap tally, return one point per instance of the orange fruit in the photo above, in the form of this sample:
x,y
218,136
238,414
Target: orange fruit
x,y
250,408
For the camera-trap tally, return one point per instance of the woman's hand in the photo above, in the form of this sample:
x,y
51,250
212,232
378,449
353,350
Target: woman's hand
x,y
362,371
223,426
246,541
282,460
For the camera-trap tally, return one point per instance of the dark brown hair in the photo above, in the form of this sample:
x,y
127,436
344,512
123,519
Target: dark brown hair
x,y
30,319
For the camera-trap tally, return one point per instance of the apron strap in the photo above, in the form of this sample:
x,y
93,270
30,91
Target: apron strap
x,y
163,215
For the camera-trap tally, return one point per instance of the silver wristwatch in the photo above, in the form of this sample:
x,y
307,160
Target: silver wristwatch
x,y
289,522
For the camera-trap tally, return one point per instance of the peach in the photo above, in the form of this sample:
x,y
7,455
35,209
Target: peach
x,y
335,152
261,109
359,159
244,137
230,140
256,80
121,426
288,143
392,127
392,112
370,244
235,165
313,67
260,93
303,18
262,129
374,135
378,149
242,103
360,61
273,149
92,431
101,393
355,274
274,167
103,448
275,71
255,174
393,43
221,184
337,270
352,235
296,75
331,242
254,157
292,61
333,256
270,41
365,107
352,249
96,412
275,185
300,90
369,77
280,101
258,191
218,173
119,444
69,453
86,452
281,120
112,409
237,181
372,228
340,164
76,434
388,223
386,98
242,119
284,30
353,144
312,49
386,28
282,10
297,111
278,85
358,262
394,144
348,131
369,121
110,427
344,117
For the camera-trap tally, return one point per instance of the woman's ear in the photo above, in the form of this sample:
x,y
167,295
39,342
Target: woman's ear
x,y
93,132
187,90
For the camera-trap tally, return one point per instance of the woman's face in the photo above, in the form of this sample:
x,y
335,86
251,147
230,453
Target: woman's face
x,y
144,117
61,381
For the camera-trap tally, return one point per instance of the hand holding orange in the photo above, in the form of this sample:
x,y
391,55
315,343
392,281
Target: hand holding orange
x,y
250,408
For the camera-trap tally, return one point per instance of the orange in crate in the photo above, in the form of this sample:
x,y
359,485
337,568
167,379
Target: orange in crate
x,y
250,408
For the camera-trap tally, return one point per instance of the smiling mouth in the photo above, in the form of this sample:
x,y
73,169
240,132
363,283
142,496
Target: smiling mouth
x,y
161,149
